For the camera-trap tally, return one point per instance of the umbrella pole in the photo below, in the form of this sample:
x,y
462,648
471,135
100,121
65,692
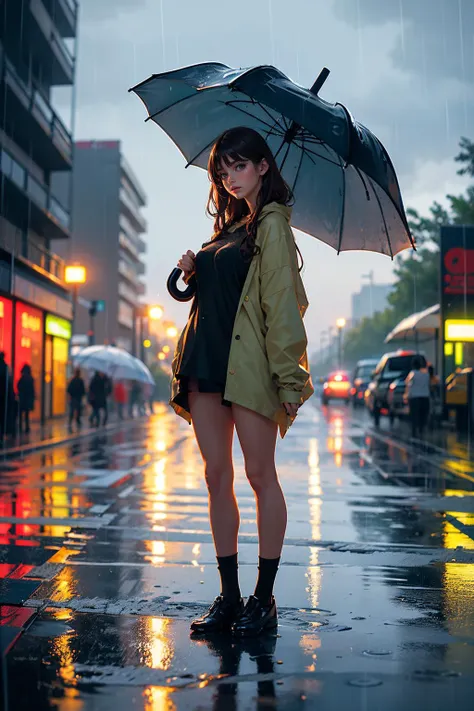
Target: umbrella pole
x,y
294,127
323,75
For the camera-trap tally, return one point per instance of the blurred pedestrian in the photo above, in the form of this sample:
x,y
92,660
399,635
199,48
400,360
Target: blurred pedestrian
x,y
150,397
8,404
26,397
435,397
417,394
120,397
98,389
135,398
76,391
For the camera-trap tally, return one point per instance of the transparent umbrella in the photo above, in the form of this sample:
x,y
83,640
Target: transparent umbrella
x,y
114,362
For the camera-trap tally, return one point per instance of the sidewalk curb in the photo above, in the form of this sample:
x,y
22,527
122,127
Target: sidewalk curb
x,y
22,450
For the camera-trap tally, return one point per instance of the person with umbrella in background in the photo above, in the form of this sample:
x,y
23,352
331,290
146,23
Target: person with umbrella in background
x,y
235,304
26,397
98,391
76,391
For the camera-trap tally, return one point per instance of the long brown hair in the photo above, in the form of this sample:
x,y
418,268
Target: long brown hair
x,y
243,143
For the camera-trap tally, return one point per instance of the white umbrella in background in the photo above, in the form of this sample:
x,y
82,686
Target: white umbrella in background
x,y
114,362
424,324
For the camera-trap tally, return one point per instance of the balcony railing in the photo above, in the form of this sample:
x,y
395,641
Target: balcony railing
x,y
26,249
35,191
132,210
126,243
40,109
55,41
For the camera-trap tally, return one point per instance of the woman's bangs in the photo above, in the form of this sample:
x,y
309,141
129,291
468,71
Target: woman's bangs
x,y
220,158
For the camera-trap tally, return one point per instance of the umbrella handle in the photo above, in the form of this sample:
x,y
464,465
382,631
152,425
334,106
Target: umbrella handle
x,y
172,286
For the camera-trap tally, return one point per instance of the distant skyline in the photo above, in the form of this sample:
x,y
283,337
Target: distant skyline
x,y
404,69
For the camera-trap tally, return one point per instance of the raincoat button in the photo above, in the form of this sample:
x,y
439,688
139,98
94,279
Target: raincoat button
x,y
232,372
246,298
237,338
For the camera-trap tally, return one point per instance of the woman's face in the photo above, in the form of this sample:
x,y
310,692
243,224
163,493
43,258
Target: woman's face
x,y
243,178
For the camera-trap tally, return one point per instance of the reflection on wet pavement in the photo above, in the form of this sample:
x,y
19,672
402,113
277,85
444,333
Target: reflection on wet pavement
x,y
106,555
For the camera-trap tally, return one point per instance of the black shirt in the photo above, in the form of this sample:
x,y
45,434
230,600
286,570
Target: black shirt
x,y
220,272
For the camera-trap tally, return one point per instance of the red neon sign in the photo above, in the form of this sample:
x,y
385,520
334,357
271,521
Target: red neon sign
x,y
459,271
6,329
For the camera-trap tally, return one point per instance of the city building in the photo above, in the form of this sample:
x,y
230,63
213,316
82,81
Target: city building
x,y
371,299
36,37
108,230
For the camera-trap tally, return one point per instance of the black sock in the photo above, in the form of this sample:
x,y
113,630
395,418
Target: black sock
x,y
267,570
229,577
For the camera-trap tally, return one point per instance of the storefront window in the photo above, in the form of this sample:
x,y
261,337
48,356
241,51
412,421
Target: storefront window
x,y
29,347
60,355
6,328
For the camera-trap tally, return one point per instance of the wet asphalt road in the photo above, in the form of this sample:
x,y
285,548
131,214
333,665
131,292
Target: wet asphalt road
x,y
106,555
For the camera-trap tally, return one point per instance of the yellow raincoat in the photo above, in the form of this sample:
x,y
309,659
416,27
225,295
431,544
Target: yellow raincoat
x,y
268,362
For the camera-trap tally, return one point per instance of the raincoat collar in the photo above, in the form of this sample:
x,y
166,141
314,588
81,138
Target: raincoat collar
x,y
266,210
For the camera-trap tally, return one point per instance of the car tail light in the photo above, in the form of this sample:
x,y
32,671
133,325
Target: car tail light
x,y
340,378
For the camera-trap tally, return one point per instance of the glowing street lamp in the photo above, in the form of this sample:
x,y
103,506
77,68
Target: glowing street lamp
x,y
155,313
75,274
341,322
172,332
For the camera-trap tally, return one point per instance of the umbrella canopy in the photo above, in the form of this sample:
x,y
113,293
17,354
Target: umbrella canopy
x,y
345,188
114,362
424,323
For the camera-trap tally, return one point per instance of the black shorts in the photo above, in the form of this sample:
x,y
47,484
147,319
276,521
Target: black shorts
x,y
189,385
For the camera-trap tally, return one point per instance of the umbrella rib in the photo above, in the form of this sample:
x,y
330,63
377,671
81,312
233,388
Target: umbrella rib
x,y
171,106
262,106
383,217
200,152
286,154
247,113
303,151
309,152
343,209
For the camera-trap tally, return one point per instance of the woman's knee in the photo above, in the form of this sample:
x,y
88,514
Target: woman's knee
x,y
219,478
260,476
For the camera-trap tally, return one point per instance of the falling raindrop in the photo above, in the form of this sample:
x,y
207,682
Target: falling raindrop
x,y
402,27
463,66
163,34
272,31
448,132
359,39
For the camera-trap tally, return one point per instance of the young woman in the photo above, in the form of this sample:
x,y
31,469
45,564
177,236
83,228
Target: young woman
x,y
241,362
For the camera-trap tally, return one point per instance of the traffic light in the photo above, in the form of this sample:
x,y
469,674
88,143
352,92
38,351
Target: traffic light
x,y
96,307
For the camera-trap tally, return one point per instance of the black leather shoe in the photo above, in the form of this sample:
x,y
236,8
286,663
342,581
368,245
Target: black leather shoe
x,y
256,618
219,618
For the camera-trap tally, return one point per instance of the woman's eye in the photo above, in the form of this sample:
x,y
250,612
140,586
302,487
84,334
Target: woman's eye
x,y
240,166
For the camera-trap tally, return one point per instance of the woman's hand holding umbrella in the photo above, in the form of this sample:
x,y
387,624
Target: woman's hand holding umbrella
x,y
187,264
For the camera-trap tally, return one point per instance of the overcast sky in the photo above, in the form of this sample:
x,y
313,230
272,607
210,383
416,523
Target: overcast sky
x,y
404,68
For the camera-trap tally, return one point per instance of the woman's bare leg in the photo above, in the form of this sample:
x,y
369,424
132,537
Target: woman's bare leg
x,y
257,435
214,429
